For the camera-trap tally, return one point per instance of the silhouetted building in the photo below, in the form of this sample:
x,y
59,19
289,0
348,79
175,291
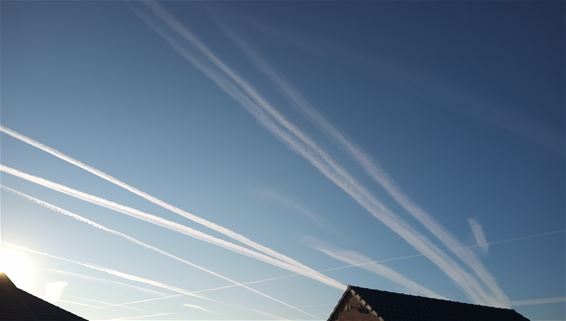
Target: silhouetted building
x,y
360,304
18,305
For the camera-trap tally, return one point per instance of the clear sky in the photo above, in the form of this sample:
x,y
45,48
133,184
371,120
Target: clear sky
x,y
424,140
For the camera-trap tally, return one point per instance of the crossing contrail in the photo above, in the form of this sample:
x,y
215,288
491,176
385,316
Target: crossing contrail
x,y
91,223
170,225
352,257
124,304
197,219
370,167
267,115
97,279
99,302
391,259
112,272
342,267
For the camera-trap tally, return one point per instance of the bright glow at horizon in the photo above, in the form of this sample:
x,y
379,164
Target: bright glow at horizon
x,y
18,266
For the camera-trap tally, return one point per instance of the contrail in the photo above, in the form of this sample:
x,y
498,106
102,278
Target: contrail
x,y
149,247
92,278
76,303
125,304
198,307
341,267
295,139
180,295
229,233
145,316
352,257
115,273
171,226
100,303
372,169
538,301
370,262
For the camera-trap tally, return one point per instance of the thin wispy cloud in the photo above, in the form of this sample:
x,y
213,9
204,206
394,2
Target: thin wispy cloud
x,y
370,166
171,226
318,219
413,83
352,257
266,114
559,299
152,248
54,291
479,235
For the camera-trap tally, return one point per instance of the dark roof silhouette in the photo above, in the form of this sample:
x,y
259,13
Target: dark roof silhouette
x,y
390,306
18,305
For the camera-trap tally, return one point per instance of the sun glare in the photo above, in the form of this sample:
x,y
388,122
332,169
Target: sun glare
x,y
17,266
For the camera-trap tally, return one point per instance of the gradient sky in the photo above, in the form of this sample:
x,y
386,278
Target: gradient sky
x,y
269,118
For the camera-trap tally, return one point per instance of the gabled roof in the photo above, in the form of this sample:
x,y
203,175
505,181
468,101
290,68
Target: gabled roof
x,y
390,306
18,305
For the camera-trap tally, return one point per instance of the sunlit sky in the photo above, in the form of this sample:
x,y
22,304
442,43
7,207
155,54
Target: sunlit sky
x,y
402,146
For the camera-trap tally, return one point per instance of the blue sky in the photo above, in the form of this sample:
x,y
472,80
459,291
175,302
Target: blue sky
x,y
428,137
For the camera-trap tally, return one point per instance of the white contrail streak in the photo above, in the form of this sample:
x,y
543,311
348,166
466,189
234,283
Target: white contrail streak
x,y
76,303
101,304
372,169
479,235
115,273
297,141
370,262
167,297
538,301
225,231
341,267
352,257
149,247
145,316
198,307
171,226
96,279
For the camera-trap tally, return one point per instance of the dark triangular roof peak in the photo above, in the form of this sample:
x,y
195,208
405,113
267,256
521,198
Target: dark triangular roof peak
x,y
12,306
18,305
5,282
391,306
